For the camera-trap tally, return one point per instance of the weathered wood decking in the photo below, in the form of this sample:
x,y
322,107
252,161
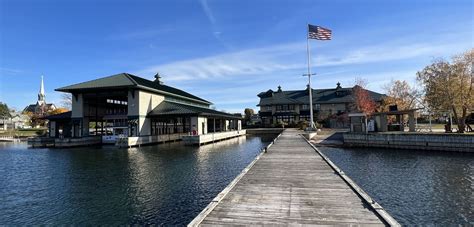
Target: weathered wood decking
x,y
291,184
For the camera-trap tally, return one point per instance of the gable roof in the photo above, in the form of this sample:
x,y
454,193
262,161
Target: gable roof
x,y
126,80
167,108
320,96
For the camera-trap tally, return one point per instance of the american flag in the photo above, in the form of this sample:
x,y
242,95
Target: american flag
x,y
318,32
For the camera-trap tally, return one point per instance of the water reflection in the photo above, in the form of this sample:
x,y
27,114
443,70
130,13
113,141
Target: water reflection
x,y
416,187
164,184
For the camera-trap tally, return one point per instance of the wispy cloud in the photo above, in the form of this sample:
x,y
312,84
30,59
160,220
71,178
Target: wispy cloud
x,y
247,62
386,52
208,11
291,56
212,20
139,34
9,71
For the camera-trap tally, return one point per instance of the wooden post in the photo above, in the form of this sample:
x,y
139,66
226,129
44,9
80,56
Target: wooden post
x,y
411,122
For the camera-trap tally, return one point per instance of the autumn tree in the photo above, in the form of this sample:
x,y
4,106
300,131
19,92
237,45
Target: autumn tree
x,y
57,111
362,100
448,86
400,93
36,119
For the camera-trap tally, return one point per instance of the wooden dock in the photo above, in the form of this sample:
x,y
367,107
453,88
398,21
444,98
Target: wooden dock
x,y
9,139
292,184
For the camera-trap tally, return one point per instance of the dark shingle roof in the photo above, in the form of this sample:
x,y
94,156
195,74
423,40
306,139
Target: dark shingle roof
x,y
162,87
32,107
320,96
65,116
123,80
167,108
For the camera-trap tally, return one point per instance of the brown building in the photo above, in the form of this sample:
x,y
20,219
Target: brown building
x,y
293,106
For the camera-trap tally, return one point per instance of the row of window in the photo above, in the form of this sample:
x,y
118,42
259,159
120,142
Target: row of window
x,y
286,119
285,107
119,102
306,107
291,107
116,111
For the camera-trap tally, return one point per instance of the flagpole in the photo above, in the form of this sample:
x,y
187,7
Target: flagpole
x,y
309,78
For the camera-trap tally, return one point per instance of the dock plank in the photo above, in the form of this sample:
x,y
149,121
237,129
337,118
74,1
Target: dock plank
x,y
290,184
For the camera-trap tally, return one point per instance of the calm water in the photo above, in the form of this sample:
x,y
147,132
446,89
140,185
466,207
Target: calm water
x,y
415,187
166,184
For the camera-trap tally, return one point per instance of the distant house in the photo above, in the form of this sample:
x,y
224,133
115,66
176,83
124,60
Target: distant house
x,y
293,106
3,124
16,121
40,107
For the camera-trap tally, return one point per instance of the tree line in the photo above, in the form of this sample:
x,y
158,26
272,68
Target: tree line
x,y
444,86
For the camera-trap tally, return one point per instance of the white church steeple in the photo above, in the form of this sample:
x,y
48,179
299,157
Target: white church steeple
x,y
41,95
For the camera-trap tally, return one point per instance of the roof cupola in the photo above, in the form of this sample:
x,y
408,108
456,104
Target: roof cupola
x,y
157,78
279,88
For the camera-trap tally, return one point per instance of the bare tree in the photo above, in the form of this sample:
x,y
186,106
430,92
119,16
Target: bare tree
x,y
400,93
66,100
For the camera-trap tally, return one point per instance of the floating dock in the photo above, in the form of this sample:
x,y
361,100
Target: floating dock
x,y
292,183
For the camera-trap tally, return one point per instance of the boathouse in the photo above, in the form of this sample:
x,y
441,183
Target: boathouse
x,y
129,111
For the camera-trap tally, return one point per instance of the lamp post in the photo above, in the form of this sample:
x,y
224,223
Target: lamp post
x,y
310,90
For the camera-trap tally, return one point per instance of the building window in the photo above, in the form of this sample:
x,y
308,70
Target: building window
x,y
304,107
286,119
317,106
304,117
266,108
292,119
291,107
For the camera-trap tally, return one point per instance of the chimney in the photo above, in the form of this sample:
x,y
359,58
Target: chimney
x,y
157,78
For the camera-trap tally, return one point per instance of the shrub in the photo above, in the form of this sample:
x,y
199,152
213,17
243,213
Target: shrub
x,y
40,132
303,125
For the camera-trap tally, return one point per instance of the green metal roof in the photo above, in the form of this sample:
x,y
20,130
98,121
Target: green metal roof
x,y
320,96
126,80
167,108
118,80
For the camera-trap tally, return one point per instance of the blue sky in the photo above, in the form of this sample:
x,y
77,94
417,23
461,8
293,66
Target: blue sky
x,y
224,51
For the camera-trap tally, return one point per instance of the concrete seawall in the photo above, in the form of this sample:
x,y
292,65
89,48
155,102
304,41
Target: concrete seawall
x,y
420,141
65,142
264,130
